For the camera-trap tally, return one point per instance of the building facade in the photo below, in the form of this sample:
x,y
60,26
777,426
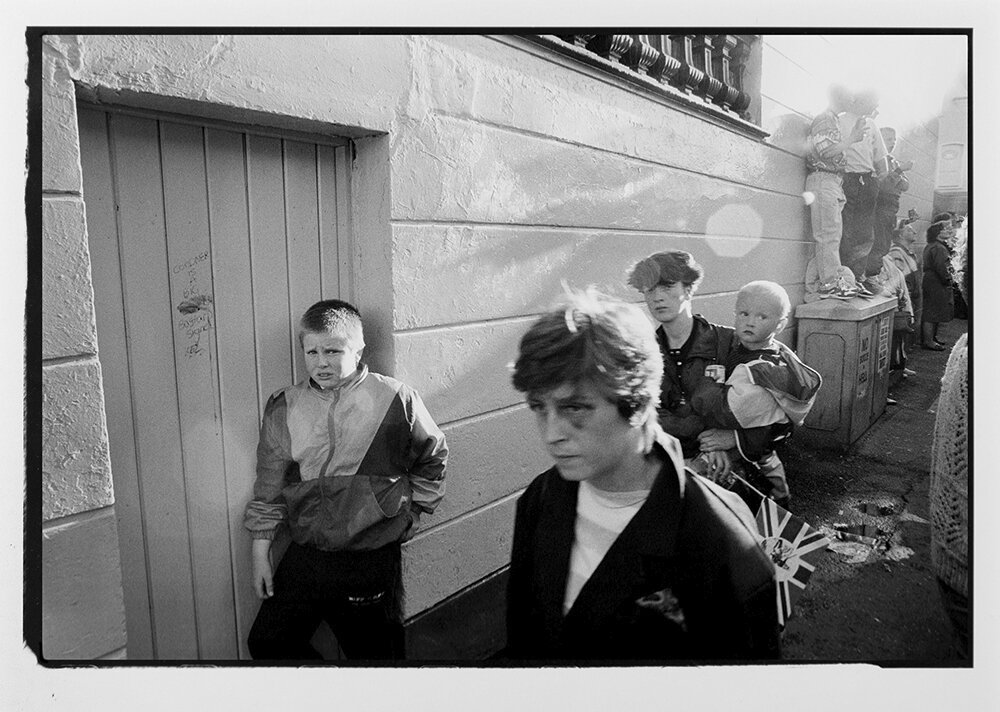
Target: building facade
x,y
951,185
200,191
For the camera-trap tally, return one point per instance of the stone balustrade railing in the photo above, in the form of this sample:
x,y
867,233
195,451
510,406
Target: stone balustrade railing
x,y
711,67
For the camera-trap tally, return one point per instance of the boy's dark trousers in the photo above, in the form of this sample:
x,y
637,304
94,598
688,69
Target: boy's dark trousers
x,y
886,207
861,191
355,592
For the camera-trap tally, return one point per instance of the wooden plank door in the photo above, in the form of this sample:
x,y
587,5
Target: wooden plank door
x,y
207,243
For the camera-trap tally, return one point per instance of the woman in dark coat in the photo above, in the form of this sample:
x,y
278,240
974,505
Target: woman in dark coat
x,y
938,300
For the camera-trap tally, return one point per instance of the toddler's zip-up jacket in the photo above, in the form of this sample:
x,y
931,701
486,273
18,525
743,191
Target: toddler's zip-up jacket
x,y
770,385
766,387
343,467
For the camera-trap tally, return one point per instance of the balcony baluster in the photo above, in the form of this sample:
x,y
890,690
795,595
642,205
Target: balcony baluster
x,y
741,55
577,40
642,56
611,47
688,77
712,67
666,67
721,63
710,86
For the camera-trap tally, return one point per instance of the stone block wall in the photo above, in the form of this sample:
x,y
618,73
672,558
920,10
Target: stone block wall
x,y
83,615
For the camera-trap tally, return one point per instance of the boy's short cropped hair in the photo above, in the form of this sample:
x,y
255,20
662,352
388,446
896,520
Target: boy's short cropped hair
x,y
596,339
773,289
666,268
332,315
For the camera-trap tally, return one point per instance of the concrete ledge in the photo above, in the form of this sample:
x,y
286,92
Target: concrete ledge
x,y
83,611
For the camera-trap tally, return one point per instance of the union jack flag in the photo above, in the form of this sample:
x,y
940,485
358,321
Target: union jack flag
x,y
795,549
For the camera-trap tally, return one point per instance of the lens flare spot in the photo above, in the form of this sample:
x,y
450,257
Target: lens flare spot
x,y
734,229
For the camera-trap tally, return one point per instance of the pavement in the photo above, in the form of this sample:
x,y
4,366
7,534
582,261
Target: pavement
x,y
876,603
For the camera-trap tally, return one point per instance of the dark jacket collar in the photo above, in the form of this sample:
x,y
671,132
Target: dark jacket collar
x,y
701,343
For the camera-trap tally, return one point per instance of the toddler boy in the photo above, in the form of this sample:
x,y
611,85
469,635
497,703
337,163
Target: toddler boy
x,y
766,384
347,460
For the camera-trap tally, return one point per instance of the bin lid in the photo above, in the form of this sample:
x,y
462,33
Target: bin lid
x,y
854,309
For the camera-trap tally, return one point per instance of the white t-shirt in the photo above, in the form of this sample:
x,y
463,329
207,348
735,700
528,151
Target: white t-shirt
x,y
600,517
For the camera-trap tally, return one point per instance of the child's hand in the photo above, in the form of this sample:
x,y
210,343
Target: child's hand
x,y
414,525
719,465
263,584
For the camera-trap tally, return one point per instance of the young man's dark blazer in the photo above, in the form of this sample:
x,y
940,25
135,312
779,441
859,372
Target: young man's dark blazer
x,y
686,580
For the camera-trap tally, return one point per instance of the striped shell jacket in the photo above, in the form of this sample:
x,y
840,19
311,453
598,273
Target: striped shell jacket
x,y
343,467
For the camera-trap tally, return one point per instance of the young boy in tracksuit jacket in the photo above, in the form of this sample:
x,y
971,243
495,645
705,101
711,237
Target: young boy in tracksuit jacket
x,y
347,460
766,384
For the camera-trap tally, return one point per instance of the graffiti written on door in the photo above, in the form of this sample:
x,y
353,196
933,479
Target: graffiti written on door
x,y
195,308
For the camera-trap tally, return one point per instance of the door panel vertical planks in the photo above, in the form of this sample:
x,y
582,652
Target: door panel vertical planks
x,y
345,242
207,243
149,329
302,235
102,231
234,318
329,259
192,303
335,248
269,266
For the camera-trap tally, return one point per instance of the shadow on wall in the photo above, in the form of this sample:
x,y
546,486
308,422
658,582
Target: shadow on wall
x,y
548,216
789,133
464,275
553,187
